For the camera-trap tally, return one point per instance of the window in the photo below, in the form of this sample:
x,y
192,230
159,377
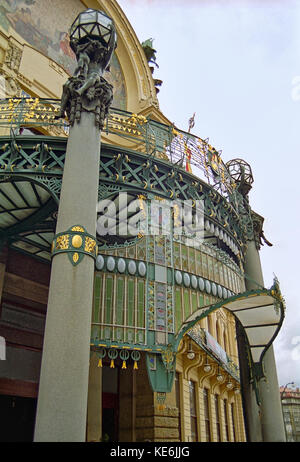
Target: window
x,y
209,324
206,414
193,411
177,398
217,418
226,419
233,422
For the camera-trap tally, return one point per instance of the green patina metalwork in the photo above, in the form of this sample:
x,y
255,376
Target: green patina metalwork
x,y
76,242
120,170
152,168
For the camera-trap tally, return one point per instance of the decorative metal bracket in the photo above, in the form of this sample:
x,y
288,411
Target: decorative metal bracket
x,y
76,242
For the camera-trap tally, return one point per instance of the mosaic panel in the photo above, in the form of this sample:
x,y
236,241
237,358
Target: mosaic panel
x,y
44,25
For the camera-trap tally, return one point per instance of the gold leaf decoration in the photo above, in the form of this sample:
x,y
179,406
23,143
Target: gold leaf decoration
x,y
62,242
89,244
78,228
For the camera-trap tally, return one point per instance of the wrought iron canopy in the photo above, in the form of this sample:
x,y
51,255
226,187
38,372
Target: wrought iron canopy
x,y
260,312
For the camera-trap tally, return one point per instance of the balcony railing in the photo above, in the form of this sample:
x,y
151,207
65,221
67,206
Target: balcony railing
x,y
142,134
214,349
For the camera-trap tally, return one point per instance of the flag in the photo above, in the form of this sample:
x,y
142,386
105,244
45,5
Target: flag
x,y
192,122
188,154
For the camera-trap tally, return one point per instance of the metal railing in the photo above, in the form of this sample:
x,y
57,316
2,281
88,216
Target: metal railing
x,y
142,134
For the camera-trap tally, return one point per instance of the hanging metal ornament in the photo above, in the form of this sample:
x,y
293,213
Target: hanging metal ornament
x,y
101,353
124,355
135,355
112,354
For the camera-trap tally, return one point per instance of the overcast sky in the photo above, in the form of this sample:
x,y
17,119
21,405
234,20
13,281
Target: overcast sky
x,y
236,64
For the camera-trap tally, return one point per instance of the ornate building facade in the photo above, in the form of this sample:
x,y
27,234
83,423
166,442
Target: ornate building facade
x,y
181,321
290,399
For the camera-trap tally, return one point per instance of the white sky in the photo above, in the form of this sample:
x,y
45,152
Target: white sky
x,y
236,63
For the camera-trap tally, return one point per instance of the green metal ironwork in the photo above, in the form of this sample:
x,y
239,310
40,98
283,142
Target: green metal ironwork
x,y
40,160
153,165
76,242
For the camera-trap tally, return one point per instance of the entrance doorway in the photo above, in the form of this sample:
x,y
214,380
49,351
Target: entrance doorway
x,y
110,404
17,418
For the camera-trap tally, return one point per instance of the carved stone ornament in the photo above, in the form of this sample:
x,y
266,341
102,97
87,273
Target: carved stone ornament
x,y
13,57
87,90
258,233
9,86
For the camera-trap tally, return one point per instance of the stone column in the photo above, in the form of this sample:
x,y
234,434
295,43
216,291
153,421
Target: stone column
x,y
271,413
94,412
63,389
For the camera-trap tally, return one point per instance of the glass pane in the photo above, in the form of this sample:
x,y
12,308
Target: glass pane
x,y
104,20
194,433
89,28
192,398
103,30
87,17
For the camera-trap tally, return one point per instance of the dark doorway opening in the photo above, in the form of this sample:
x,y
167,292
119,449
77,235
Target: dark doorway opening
x,y
110,404
17,418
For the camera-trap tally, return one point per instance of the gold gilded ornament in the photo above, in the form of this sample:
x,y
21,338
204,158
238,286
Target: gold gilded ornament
x,y
77,241
62,242
89,244
78,228
75,257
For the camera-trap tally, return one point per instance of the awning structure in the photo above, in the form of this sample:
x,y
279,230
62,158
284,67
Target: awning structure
x,y
26,213
260,312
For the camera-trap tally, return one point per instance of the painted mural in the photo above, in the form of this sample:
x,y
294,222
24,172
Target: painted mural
x,y
44,25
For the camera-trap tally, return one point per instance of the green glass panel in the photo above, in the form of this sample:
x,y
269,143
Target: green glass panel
x,y
216,270
210,268
178,312
120,301
221,273
198,262
204,266
97,297
194,301
184,257
186,302
141,304
192,265
95,334
141,336
130,302
108,300
227,277
200,300
235,282
131,251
